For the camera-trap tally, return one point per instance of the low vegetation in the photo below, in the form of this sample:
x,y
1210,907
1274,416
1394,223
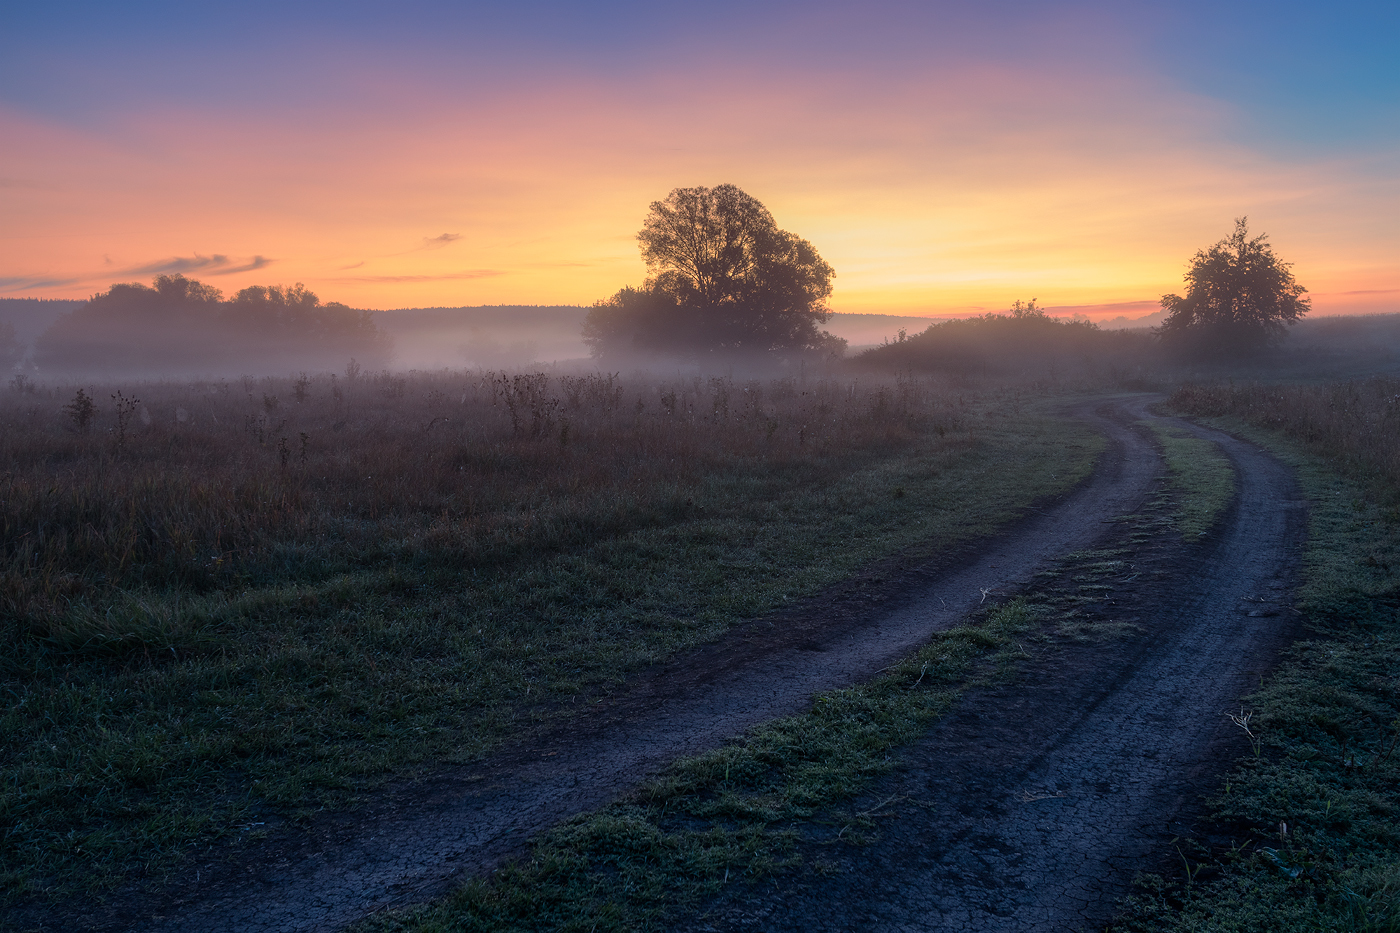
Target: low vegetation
x,y
1311,810
231,598
1022,342
1354,424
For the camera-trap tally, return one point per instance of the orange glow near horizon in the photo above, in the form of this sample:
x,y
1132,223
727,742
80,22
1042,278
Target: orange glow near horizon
x,y
958,193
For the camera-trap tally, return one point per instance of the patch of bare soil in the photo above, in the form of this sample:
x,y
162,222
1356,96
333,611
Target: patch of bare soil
x,y
415,841
1033,805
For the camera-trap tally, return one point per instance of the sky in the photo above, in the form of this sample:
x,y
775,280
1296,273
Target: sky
x,y
945,158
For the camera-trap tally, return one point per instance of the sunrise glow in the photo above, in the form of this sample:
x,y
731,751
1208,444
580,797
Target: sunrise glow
x,y
940,184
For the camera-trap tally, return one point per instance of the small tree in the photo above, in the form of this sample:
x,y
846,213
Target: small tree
x,y
1240,298
81,411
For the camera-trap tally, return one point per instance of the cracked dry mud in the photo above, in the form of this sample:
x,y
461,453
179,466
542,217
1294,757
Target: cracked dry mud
x,y
1103,761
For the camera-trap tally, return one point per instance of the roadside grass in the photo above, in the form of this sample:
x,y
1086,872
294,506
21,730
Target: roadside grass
x,y
1201,473
757,809
177,671
733,815
1313,804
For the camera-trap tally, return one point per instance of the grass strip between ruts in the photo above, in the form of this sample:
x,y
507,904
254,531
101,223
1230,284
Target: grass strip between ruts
x,y
1202,474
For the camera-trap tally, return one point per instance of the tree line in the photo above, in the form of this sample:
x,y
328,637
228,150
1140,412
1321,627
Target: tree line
x,y
178,325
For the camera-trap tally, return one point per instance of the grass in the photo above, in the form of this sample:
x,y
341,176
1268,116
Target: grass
x,y
1201,474
1313,804
733,815
297,589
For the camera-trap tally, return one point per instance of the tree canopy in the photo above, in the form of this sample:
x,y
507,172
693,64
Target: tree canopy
x,y
178,325
1240,297
722,277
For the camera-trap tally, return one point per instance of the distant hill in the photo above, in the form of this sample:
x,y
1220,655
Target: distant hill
x,y
490,336
869,330
1123,322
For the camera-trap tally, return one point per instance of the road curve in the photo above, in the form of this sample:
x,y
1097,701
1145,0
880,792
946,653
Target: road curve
x,y
466,826
1031,807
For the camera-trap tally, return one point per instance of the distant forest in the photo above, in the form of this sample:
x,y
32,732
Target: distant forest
x,y
180,326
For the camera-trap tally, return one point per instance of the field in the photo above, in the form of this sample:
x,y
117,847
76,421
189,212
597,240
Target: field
x,y
239,609
236,602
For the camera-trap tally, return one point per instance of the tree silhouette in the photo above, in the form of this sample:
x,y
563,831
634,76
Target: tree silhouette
x,y
1240,298
288,324
131,328
722,278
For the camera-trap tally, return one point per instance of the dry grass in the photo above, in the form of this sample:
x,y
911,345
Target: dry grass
x,y
221,485
1354,424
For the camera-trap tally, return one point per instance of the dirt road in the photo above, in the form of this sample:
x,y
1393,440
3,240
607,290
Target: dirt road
x,y
1033,806
1116,758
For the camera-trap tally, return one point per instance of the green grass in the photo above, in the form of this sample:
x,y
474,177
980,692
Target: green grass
x,y
288,695
1314,801
734,814
1201,474
746,813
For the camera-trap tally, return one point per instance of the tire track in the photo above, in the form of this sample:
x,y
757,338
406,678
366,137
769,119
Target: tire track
x,y
1032,807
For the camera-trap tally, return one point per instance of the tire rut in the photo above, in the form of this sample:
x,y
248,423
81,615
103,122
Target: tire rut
x,y
1033,806
416,845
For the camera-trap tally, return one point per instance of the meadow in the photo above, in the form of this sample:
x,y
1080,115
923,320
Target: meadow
x,y
234,600
1304,834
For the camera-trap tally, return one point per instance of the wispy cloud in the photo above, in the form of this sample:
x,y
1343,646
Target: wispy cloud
x,y
217,264
23,283
1145,306
438,242
429,243
474,274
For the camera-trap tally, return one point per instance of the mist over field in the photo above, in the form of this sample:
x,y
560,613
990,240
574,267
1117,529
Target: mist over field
x,y
523,337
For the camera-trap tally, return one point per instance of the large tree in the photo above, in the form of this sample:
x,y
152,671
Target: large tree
x,y
722,278
1240,298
